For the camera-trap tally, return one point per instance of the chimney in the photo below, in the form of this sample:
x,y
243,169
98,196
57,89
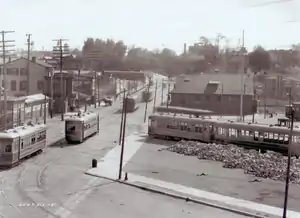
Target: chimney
x,y
33,59
184,48
9,59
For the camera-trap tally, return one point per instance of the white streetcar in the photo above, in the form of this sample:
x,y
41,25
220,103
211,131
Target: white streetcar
x,y
80,126
21,142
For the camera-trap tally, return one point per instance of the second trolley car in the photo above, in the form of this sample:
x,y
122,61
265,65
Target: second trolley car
x,y
257,136
81,126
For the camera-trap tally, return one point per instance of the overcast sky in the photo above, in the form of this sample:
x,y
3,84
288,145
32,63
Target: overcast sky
x,y
151,24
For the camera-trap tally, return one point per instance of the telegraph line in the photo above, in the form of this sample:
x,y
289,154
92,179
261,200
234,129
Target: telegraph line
x,y
6,44
270,3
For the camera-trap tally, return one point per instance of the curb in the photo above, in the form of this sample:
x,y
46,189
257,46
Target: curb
x,y
181,197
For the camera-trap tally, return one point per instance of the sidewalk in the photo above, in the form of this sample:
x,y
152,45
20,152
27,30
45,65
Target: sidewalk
x,y
109,165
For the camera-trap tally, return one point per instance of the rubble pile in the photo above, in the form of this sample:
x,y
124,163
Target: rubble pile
x,y
269,165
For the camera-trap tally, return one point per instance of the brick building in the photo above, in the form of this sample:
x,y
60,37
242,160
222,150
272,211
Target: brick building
x,y
220,93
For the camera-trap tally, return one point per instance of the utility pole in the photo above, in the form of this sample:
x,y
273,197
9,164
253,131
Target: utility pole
x,y
94,56
286,193
162,93
168,95
61,51
95,89
29,43
123,139
244,92
265,98
98,89
45,105
122,117
51,93
146,106
242,77
155,92
5,53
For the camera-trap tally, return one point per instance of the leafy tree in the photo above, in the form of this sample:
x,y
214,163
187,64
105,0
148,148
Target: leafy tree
x,y
115,55
259,59
102,54
205,48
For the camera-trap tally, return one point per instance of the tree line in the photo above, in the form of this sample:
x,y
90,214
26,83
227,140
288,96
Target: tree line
x,y
202,56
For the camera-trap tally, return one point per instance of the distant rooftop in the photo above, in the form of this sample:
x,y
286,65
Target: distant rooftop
x,y
214,83
39,62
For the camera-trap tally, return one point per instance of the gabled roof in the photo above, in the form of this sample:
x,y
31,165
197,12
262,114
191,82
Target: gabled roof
x,y
42,63
38,62
214,83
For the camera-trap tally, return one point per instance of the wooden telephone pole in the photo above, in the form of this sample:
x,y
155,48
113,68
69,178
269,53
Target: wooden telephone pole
x,y
29,43
5,53
59,50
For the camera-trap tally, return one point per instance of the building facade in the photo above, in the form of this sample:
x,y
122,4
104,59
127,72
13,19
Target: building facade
x,y
220,93
18,79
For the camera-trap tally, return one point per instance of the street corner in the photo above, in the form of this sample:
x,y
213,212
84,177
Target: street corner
x,y
160,188
213,200
109,174
102,172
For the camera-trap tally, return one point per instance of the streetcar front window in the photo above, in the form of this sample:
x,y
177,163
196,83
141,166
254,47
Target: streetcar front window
x,y
72,128
8,148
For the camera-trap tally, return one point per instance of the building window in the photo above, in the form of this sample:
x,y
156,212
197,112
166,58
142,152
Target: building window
x,y
23,85
40,85
23,72
13,85
13,71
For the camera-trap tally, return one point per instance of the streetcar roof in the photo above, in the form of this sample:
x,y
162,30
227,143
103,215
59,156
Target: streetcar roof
x,y
83,117
21,131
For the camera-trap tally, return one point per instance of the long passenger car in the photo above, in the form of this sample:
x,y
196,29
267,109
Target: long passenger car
x,y
21,142
81,126
209,130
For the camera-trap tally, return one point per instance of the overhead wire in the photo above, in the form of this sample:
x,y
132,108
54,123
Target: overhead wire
x,y
271,3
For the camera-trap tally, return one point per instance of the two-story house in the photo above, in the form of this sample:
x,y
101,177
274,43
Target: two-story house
x,y
18,79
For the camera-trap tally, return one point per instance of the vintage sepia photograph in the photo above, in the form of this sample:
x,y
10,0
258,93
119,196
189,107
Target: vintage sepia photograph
x,y
155,109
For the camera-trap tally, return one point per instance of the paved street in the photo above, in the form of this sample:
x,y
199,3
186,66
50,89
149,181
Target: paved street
x,y
109,199
52,183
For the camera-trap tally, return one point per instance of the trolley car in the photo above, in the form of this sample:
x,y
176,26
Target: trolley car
x,y
131,104
21,142
264,137
81,126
